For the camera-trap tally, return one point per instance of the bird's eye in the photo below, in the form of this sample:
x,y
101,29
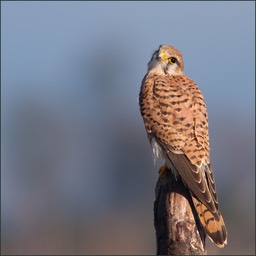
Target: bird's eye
x,y
172,60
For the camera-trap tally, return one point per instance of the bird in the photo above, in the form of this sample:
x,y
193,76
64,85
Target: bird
x,y
176,122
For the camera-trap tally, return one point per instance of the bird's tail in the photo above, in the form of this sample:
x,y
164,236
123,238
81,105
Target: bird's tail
x,y
213,224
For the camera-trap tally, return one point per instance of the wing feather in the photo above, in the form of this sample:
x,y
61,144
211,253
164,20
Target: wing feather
x,y
183,134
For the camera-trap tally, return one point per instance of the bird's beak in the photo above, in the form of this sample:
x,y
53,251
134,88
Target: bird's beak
x,y
162,56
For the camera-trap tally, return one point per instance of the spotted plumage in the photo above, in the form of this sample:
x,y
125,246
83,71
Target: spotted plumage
x,y
176,121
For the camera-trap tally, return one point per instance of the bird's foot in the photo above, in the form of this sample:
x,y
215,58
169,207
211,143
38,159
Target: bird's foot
x,y
162,170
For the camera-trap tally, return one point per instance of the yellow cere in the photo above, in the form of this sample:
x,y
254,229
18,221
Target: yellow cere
x,y
163,56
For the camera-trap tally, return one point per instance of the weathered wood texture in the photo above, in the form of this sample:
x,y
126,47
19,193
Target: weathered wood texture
x,y
178,231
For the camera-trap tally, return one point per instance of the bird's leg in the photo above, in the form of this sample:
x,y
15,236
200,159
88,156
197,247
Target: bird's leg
x,y
163,169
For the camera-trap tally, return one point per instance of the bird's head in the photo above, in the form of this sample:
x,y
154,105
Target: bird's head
x,y
166,60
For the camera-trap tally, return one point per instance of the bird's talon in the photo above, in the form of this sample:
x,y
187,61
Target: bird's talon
x,y
162,170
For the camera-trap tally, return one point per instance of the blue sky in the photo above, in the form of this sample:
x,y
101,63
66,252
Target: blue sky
x,y
216,39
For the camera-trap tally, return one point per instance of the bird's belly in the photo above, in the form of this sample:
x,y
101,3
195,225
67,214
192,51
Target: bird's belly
x,y
157,150
160,153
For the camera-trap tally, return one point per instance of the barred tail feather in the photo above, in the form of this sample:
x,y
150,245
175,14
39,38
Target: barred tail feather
x,y
212,223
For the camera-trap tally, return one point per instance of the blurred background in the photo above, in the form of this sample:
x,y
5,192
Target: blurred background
x,y
78,175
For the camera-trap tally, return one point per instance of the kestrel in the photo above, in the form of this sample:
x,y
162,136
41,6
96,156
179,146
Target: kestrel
x,y
176,121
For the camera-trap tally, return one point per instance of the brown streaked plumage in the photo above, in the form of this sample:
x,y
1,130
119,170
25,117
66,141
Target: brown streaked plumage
x,y
176,121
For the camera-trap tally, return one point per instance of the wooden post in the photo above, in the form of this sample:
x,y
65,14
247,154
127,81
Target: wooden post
x,y
178,231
